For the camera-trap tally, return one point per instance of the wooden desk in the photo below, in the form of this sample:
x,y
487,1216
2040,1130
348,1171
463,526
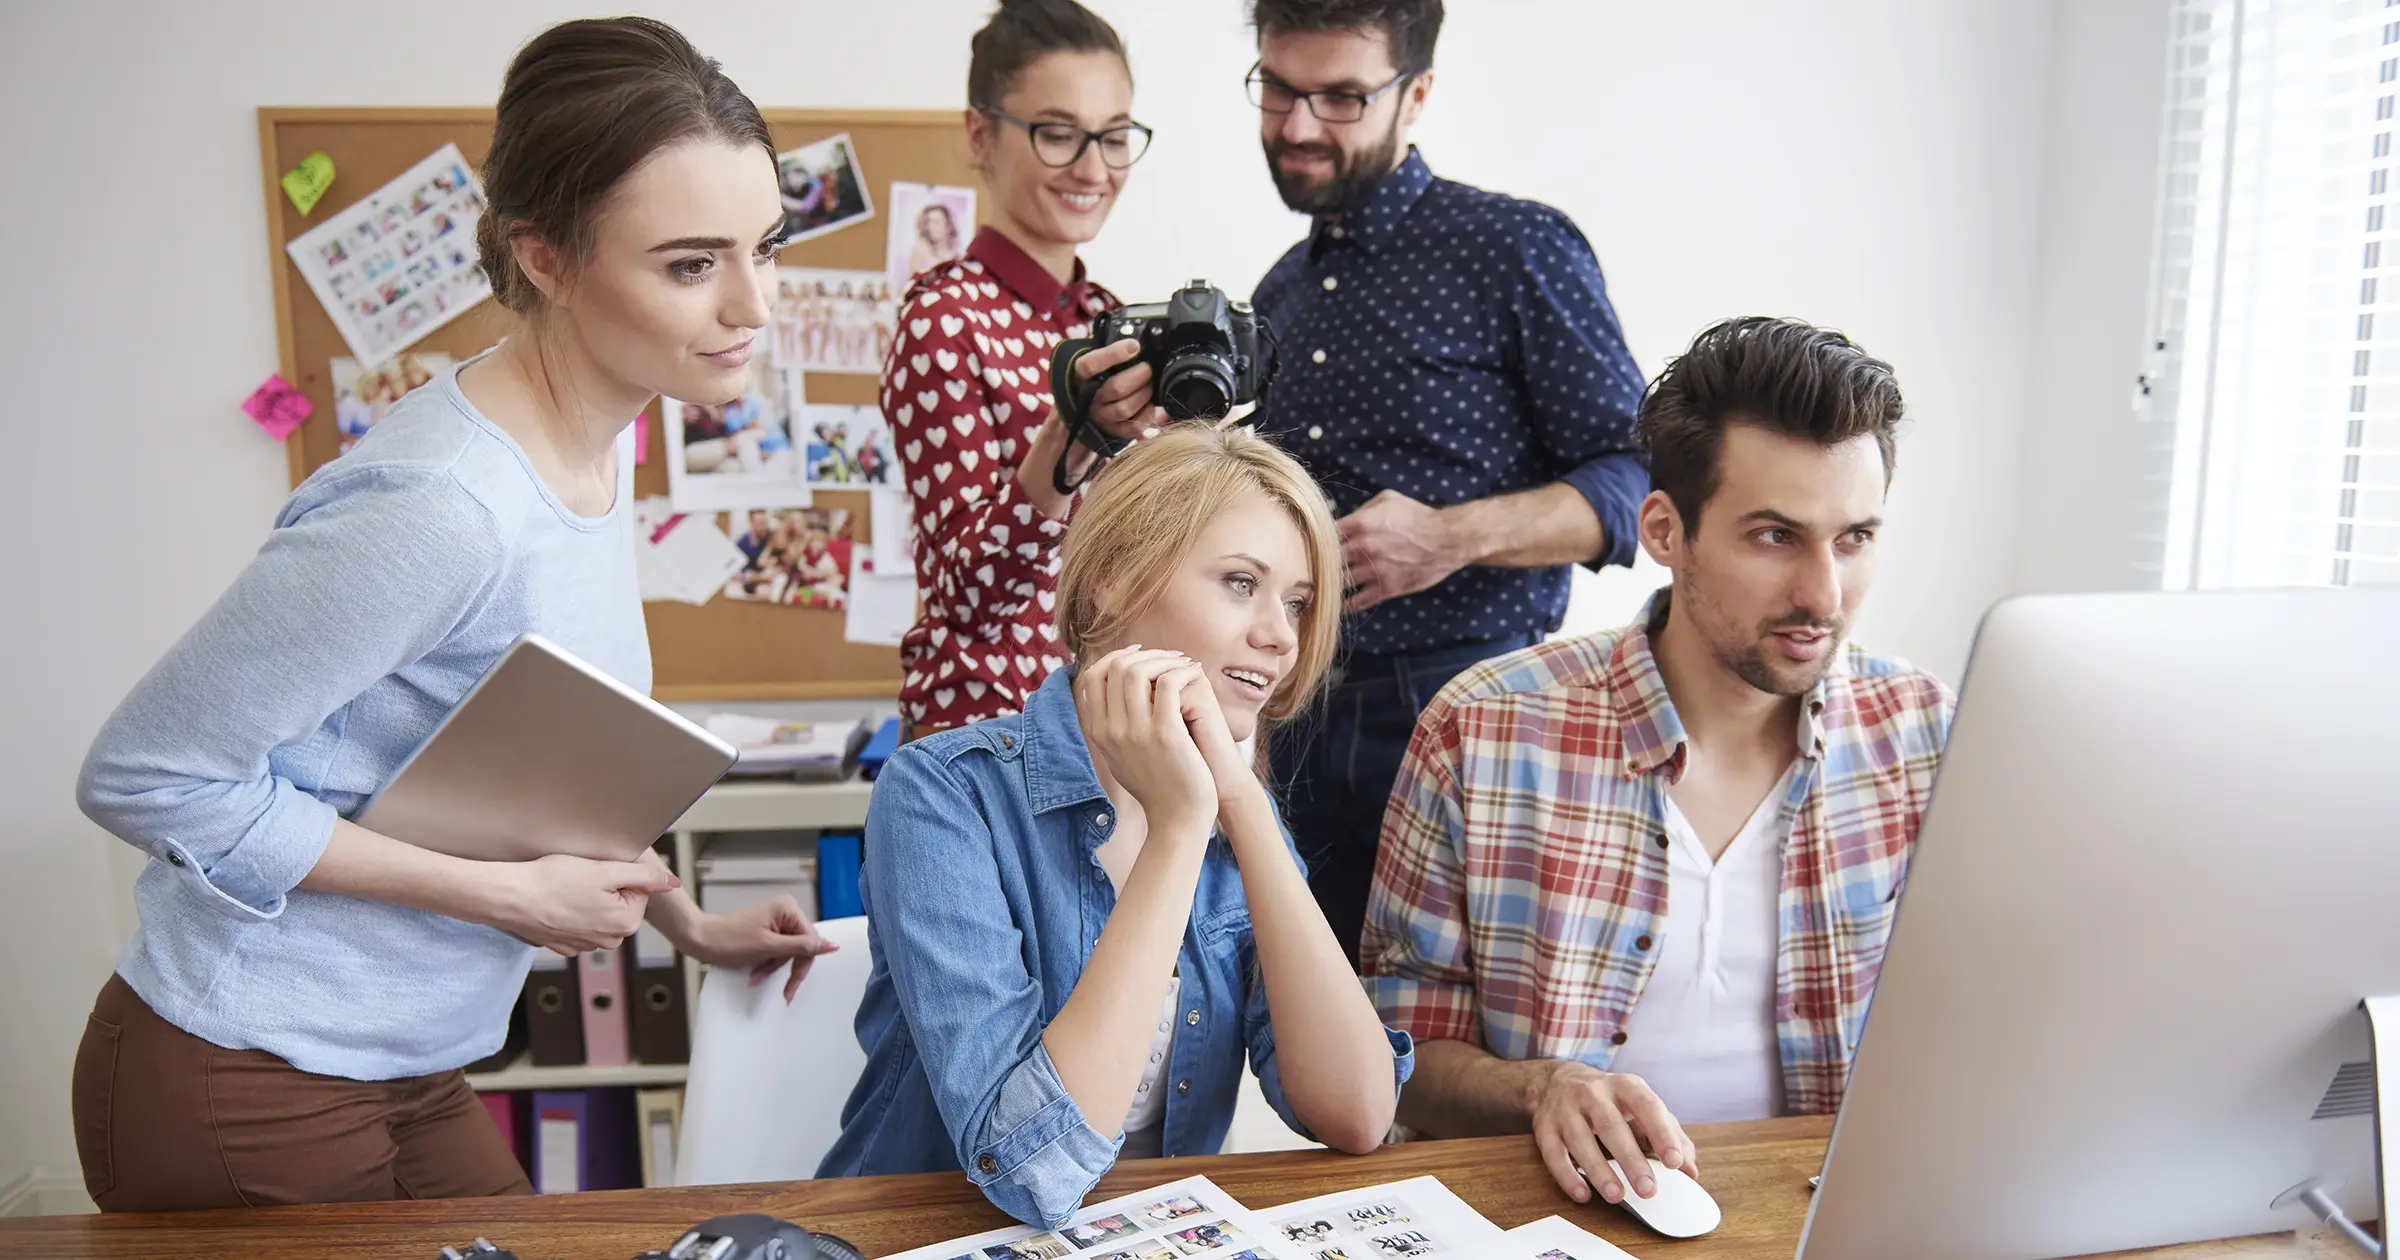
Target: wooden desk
x,y
1758,1172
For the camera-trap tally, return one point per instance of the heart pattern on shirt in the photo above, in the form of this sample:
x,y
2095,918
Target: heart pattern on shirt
x,y
973,356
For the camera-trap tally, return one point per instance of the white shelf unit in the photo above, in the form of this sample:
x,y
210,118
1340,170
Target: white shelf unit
x,y
735,805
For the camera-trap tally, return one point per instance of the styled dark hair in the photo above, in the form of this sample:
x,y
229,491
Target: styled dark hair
x,y
1409,26
1022,32
582,105
1781,375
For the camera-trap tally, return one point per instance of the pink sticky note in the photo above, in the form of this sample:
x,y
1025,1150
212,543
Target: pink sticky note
x,y
278,407
641,437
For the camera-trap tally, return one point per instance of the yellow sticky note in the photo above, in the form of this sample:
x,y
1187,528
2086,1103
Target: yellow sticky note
x,y
307,182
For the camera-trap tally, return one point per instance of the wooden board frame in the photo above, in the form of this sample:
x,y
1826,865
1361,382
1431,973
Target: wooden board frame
x,y
725,650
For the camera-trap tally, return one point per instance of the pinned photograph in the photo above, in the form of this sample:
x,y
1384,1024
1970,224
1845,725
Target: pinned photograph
x,y
834,321
930,225
1041,1247
362,396
796,557
823,189
848,447
736,454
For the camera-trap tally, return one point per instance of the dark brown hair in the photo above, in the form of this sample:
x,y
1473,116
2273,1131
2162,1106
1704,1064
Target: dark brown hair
x,y
1022,32
1409,27
582,105
1778,374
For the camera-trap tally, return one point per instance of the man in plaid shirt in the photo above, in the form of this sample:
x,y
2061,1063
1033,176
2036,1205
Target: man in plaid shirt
x,y
1649,873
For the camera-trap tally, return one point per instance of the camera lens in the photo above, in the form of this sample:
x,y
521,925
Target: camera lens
x,y
1196,385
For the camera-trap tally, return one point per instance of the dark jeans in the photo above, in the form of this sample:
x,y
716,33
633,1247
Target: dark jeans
x,y
1335,766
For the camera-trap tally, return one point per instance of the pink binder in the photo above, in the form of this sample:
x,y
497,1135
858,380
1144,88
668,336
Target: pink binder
x,y
607,1026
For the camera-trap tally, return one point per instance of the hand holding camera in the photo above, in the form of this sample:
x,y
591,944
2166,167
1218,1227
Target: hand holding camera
x,y
1205,352
1119,406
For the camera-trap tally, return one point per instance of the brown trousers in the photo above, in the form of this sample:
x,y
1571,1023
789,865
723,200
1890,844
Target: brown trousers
x,y
166,1121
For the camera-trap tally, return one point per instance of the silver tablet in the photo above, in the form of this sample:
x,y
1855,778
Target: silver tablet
x,y
548,755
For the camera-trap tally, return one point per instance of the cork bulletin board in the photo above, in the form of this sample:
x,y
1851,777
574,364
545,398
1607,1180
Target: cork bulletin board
x,y
725,649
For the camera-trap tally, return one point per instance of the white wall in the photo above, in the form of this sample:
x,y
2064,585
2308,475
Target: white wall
x,y
1875,166
2092,494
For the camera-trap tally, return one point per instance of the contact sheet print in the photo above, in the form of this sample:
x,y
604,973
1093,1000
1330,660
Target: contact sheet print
x,y
1418,1219
401,262
1181,1220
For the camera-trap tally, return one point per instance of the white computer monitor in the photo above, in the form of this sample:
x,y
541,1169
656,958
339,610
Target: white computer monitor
x,y
2120,1004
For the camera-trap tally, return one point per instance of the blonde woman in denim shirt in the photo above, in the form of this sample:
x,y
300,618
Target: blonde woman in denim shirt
x,y
1085,915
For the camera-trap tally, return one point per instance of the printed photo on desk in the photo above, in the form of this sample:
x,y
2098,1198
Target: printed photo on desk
x,y
1404,1220
1181,1219
400,262
737,454
823,189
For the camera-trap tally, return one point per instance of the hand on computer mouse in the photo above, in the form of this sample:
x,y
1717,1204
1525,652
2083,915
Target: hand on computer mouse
x,y
1586,1116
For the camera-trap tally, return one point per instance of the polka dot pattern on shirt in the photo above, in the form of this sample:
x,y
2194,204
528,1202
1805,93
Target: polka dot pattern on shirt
x,y
1452,344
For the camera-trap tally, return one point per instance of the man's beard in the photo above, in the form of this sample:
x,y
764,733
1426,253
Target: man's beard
x,y
1355,176
1749,661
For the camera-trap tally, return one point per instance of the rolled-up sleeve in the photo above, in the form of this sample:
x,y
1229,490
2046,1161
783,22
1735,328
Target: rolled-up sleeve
x,y
1413,950
974,1012
362,575
1582,382
1258,1027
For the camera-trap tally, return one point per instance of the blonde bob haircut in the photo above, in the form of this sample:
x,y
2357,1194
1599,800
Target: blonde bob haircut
x,y
1141,518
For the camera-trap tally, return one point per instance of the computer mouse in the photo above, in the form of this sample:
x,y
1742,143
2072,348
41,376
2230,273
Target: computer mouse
x,y
1680,1209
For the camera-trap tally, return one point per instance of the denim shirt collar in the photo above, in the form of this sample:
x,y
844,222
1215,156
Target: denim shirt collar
x,y
1058,763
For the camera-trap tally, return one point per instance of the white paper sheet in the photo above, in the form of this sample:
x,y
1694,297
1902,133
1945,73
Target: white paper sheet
x,y
1556,1238
399,262
1176,1221
895,540
882,606
681,557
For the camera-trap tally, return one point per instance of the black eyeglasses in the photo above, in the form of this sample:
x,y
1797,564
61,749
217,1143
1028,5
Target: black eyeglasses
x,y
1062,144
1277,97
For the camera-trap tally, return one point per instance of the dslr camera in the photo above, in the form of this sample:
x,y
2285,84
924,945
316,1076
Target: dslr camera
x,y
1207,354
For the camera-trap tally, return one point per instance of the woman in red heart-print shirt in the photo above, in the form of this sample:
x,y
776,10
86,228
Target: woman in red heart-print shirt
x,y
966,389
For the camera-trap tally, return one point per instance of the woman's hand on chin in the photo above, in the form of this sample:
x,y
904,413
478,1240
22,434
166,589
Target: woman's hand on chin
x,y
1205,717
1131,703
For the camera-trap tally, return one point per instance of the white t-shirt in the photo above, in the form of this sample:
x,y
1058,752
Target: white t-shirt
x,y
1146,1120
1702,1033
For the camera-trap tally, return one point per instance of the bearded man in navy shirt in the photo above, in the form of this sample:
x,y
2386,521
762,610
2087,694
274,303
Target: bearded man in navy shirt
x,y
1453,376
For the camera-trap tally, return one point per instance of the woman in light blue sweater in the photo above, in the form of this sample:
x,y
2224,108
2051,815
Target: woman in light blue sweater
x,y
289,1020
